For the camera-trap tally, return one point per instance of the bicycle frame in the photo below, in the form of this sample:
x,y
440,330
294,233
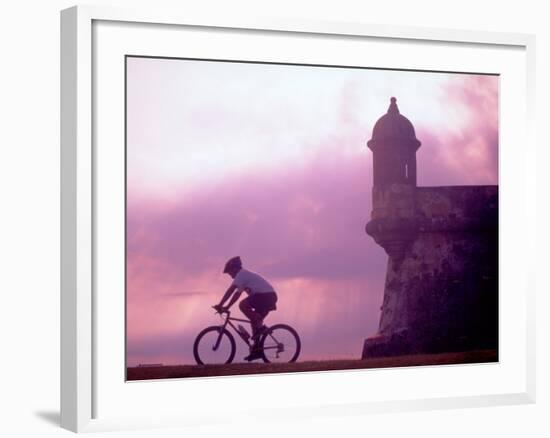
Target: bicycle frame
x,y
279,338
279,347
228,322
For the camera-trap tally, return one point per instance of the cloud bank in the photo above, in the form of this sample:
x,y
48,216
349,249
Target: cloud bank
x,y
298,221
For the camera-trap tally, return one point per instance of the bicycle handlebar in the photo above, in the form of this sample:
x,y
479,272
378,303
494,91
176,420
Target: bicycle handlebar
x,y
222,311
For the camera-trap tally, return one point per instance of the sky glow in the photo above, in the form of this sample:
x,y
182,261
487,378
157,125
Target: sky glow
x,y
270,162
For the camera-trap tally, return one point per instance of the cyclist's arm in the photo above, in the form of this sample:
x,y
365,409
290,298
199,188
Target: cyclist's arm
x,y
227,294
234,298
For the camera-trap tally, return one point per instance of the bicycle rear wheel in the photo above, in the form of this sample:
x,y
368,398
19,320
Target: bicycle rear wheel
x,y
214,345
280,343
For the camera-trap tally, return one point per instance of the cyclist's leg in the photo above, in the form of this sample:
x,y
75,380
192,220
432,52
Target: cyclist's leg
x,y
248,310
262,304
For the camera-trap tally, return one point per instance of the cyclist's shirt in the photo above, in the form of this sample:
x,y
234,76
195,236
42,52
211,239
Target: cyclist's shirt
x,y
254,282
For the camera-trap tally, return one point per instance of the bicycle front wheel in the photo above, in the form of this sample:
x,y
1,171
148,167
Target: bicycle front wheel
x,y
214,345
280,343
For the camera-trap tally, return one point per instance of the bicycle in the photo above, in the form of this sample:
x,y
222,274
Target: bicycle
x,y
216,344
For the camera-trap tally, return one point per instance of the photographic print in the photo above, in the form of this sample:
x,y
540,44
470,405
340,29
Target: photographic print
x,y
292,218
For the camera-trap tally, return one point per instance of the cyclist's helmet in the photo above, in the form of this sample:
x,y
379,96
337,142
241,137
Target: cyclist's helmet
x,y
232,264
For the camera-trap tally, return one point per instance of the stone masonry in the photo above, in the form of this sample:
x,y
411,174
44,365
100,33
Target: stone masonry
x,y
441,289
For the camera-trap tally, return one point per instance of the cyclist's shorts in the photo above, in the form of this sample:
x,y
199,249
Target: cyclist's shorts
x,y
263,303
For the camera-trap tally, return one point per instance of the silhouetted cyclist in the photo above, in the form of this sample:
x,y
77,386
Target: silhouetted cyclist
x,y
260,301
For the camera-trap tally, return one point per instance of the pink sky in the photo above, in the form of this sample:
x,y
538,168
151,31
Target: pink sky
x,y
270,162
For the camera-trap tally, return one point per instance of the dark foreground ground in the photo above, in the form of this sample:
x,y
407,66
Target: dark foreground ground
x,y
178,371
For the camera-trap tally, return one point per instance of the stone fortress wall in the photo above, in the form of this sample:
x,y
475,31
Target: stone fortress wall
x,y
441,289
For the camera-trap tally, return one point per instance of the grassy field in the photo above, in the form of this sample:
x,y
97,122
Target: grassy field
x,y
179,371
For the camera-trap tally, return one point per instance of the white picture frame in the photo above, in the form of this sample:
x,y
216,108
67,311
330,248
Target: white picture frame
x,y
80,370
